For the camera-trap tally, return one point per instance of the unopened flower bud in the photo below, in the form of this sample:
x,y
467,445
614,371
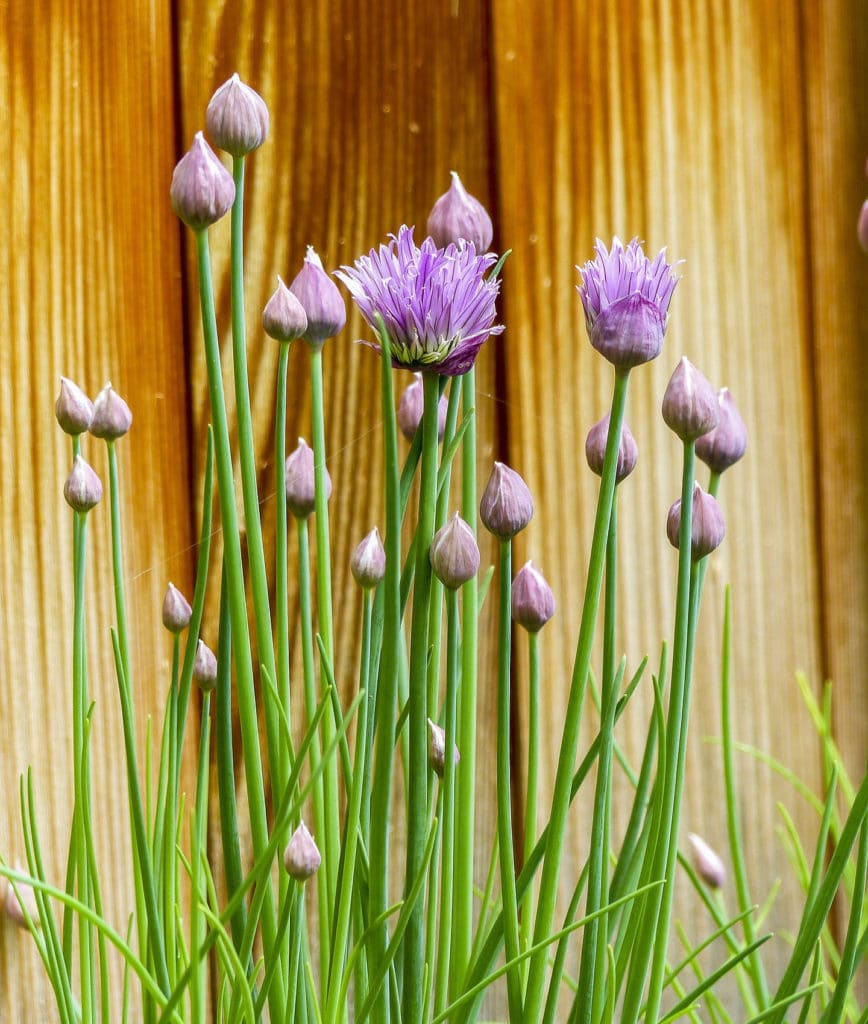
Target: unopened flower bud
x,y
507,506
299,479
454,553
176,610
82,489
284,318
301,858
707,525
862,227
689,404
437,749
629,332
237,118
205,667
325,309
73,409
723,446
458,215
595,449
533,602
708,865
202,189
15,905
412,406
368,564
111,415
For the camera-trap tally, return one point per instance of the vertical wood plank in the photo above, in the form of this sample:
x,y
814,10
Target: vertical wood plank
x,y
92,265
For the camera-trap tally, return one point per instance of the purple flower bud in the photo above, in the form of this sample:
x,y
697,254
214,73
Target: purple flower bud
x,y
862,227
284,318
301,858
595,449
73,409
507,506
629,332
82,489
723,446
300,482
708,528
708,865
412,406
176,610
205,667
111,415
437,749
689,404
368,564
321,300
237,118
454,553
458,216
15,905
202,189
533,602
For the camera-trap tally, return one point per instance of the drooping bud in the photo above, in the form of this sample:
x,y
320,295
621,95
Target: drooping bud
x,y
82,489
708,528
176,610
533,602
237,118
723,446
689,404
15,905
301,858
325,309
457,215
73,409
368,564
284,318
454,553
629,332
205,667
437,749
202,189
300,483
412,406
111,415
707,863
507,506
595,449
862,227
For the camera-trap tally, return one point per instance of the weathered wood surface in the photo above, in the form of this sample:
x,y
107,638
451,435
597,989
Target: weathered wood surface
x,y
730,132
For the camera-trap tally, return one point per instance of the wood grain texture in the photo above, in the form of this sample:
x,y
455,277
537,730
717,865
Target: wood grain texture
x,y
92,292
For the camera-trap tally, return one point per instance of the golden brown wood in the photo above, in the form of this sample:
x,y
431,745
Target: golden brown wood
x,y
91,265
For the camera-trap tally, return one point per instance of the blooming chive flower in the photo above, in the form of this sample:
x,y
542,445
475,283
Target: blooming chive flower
x,y
626,300
437,305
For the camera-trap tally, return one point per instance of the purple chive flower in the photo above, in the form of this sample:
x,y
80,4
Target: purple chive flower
x,y
437,305
626,299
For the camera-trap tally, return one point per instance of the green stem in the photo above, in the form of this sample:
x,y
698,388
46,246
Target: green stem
x,y
532,794
280,544
417,796
569,742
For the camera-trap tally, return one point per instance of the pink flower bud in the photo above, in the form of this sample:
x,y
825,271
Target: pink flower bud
x,y
301,858
629,332
205,667
237,118
15,906
325,309
368,564
862,227
708,528
507,506
73,409
689,405
723,446
595,449
82,489
458,216
176,610
437,749
533,602
300,483
412,406
111,415
454,553
708,865
202,189
284,318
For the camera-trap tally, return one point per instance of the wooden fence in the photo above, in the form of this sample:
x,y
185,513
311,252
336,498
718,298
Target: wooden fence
x,y
733,131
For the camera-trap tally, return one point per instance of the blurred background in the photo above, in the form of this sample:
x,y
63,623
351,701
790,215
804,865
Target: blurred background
x,y
734,132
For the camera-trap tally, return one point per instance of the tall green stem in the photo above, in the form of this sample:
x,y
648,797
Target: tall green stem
x,y
569,742
531,795
280,545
